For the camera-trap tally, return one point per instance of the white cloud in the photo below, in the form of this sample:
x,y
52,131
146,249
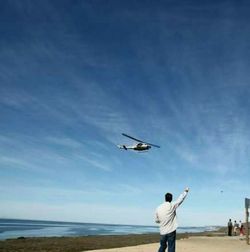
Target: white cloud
x,y
15,99
65,141
18,163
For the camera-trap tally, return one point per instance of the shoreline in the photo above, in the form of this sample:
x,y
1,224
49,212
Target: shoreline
x,y
88,243
193,244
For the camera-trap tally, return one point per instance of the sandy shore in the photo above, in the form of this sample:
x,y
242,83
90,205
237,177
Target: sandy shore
x,y
193,244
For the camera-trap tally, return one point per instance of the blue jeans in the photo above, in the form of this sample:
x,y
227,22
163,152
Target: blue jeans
x,y
168,240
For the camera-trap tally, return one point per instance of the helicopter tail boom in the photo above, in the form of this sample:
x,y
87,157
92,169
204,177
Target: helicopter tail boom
x,y
122,147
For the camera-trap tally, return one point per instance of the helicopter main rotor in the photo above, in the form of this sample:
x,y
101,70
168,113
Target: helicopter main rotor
x,y
140,141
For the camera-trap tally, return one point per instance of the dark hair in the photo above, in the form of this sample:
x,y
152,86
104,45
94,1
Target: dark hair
x,y
168,197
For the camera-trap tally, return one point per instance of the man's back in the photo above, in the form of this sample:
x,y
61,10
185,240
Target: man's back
x,y
166,214
167,218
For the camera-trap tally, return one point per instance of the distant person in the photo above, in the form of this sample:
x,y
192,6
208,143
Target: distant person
x,y
236,226
230,227
241,229
239,225
165,216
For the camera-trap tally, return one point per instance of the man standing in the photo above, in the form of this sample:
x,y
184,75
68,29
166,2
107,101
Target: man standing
x,y
230,227
236,226
166,218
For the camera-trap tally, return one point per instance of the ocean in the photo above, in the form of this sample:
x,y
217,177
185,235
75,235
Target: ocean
x,y
14,228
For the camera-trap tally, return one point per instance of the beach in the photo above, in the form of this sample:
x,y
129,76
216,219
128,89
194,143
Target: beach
x,y
215,241
193,244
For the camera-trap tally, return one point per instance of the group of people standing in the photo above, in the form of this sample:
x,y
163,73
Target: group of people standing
x,y
235,228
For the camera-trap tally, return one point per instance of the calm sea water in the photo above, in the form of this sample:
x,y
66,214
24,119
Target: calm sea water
x,y
12,228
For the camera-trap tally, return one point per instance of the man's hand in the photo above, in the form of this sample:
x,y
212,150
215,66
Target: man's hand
x,y
187,189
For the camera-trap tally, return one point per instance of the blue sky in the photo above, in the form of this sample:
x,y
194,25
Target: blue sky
x,y
74,75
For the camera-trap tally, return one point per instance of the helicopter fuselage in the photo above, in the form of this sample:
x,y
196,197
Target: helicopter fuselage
x,y
141,147
137,147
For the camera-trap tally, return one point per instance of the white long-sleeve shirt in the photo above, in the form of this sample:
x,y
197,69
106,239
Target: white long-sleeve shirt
x,y
165,215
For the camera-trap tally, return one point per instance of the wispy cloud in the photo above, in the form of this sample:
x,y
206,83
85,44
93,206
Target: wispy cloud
x,y
15,99
41,154
18,163
95,163
65,141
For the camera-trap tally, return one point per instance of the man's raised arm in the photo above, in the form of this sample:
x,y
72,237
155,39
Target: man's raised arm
x,y
181,198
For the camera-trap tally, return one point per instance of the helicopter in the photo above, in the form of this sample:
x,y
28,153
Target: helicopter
x,y
140,146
